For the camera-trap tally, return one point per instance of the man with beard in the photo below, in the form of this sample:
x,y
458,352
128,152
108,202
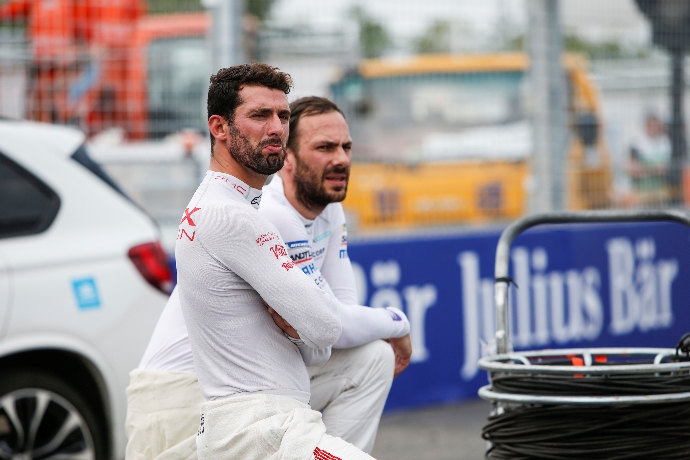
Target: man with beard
x,y
303,202
231,263
352,387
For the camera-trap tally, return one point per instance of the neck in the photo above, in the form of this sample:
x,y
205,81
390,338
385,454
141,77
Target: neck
x,y
306,210
223,162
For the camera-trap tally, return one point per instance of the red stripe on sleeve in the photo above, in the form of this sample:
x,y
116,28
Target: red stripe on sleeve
x,y
323,455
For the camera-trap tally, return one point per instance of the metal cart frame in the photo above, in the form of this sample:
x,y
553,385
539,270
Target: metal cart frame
x,y
508,361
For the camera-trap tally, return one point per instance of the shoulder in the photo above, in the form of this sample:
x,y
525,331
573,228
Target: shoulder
x,y
277,212
285,219
225,210
226,219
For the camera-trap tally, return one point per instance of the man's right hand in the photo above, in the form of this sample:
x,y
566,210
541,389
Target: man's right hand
x,y
402,348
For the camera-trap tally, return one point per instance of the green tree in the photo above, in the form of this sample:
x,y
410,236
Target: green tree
x,y
259,8
609,49
436,39
373,36
596,50
515,43
174,6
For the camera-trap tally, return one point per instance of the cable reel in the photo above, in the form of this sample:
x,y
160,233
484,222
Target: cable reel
x,y
606,403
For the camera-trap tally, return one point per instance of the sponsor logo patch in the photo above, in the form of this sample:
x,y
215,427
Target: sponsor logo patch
x,y
266,237
183,233
279,251
201,426
188,220
394,315
322,236
298,244
86,293
309,269
300,257
188,216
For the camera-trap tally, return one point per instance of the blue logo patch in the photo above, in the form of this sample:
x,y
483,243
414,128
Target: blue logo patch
x,y
297,244
322,236
86,293
394,315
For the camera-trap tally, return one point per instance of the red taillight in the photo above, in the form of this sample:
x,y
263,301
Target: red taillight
x,y
152,263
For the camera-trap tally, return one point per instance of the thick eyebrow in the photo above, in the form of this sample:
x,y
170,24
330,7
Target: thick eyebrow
x,y
331,144
268,110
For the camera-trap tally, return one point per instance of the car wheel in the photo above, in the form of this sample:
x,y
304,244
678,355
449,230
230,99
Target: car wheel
x,y
43,417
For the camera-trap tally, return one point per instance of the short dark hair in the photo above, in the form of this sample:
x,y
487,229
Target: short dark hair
x,y
224,90
305,107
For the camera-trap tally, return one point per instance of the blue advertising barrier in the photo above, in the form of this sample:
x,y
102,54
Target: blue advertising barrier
x,y
578,286
612,285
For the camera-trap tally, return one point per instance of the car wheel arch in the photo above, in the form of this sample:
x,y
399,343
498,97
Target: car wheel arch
x,y
76,370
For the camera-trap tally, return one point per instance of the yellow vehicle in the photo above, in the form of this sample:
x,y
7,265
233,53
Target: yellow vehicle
x,y
446,139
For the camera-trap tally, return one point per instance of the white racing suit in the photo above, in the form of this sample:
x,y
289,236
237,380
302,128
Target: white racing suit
x,y
350,389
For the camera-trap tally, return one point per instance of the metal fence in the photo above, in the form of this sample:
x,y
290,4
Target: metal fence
x,y
462,112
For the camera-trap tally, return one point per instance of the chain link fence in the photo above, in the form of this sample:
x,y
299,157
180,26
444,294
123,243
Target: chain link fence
x,y
462,113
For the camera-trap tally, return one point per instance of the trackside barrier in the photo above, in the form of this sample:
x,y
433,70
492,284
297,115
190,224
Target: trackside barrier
x,y
602,285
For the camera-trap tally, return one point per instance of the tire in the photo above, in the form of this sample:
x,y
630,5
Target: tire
x,y
42,416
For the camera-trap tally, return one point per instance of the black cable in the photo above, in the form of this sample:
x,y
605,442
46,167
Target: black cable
x,y
530,381
641,431
659,431
591,385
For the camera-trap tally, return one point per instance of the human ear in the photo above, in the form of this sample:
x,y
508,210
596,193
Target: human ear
x,y
289,163
216,125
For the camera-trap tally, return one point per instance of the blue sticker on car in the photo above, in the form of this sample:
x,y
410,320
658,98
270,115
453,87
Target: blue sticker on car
x,y
86,293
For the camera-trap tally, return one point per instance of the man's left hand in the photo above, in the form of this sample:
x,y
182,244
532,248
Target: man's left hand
x,y
281,323
402,348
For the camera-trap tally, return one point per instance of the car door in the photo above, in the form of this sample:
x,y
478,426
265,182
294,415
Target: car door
x,y
27,207
4,293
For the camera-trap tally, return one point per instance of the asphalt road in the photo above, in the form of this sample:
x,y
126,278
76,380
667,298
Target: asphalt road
x,y
438,433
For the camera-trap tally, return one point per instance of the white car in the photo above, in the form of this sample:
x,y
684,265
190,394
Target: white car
x,y
83,280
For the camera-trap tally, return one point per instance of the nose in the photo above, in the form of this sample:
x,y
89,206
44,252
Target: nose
x,y
342,157
276,126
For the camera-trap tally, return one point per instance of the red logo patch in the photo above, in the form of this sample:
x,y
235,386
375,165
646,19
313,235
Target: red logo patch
x,y
266,237
188,216
288,265
279,251
182,232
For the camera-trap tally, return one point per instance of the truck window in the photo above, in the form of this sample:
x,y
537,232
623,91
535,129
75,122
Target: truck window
x,y
178,71
433,116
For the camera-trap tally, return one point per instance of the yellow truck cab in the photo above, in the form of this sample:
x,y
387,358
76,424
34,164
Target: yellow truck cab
x,y
446,139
